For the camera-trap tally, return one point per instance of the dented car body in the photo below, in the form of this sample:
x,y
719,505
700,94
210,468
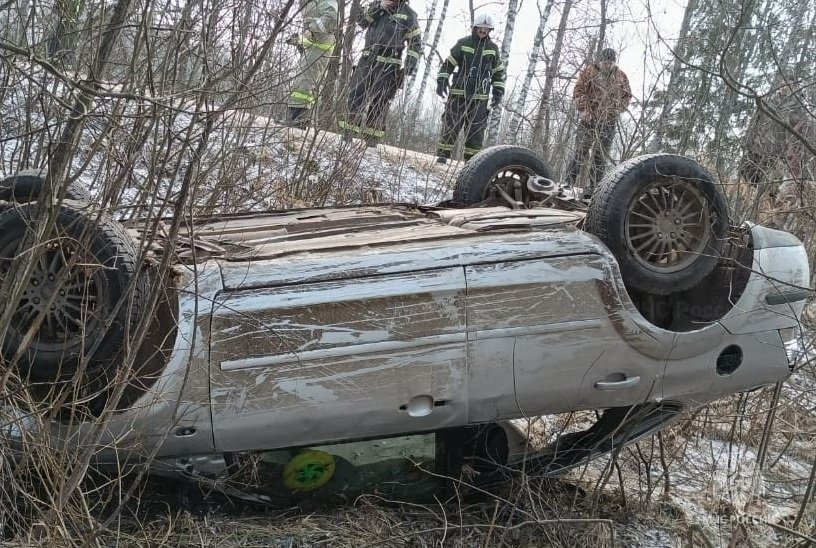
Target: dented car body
x,y
328,325
311,327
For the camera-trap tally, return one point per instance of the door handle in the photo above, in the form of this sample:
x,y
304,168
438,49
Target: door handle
x,y
627,382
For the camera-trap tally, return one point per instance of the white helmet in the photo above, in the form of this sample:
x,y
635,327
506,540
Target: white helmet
x,y
483,20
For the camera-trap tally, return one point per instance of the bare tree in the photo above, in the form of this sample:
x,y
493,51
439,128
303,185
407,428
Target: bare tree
x,y
672,90
535,52
507,41
429,59
541,129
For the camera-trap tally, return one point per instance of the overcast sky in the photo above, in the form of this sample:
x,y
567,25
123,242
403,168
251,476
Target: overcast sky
x,y
630,34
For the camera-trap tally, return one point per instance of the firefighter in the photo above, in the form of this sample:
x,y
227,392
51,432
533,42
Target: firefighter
x,y
390,26
479,68
316,44
601,94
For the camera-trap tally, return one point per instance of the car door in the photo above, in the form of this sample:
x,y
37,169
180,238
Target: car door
x,y
546,318
342,359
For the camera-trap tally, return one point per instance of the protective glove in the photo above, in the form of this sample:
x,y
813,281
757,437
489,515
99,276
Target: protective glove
x,y
496,101
442,88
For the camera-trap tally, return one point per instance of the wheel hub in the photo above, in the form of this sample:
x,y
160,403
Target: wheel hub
x,y
667,226
60,299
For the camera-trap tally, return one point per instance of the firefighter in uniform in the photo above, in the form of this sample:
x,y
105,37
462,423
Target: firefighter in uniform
x,y
390,25
316,44
478,67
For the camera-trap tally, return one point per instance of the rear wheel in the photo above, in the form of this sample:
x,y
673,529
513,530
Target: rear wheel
x,y
79,297
501,167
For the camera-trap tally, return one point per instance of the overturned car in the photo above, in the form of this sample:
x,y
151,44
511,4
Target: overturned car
x,y
307,328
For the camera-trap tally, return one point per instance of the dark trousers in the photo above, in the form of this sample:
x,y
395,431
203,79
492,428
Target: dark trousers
x,y
463,113
596,137
373,86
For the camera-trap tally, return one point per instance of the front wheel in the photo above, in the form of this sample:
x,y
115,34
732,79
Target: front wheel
x,y
664,220
502,167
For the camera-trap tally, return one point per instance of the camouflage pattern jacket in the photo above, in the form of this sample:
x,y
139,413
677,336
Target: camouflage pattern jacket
x,y
601,96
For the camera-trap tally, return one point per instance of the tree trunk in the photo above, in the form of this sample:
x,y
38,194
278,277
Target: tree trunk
x,y
429,61
542,123
739,65
671,92
61,44
346,54
599,46
804,56
496,114
518,114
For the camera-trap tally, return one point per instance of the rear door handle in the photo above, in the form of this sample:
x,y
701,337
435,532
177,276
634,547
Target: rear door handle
x,y
627,382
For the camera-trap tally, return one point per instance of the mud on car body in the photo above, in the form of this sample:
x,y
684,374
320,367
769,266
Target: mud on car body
x,y
311,327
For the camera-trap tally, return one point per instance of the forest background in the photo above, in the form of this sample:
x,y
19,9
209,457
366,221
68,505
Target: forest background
x,y
169,108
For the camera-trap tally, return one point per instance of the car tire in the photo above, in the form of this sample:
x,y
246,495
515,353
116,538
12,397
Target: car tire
x,y
26,186
74,326
663,218
496,165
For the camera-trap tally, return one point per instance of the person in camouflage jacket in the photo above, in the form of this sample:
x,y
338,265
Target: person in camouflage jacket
x,y
316,44
601,94
391,26
476,66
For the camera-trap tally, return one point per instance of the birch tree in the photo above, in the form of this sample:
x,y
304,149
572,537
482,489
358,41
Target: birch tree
x,y
507,41
429,60
542,122
519,109
673,88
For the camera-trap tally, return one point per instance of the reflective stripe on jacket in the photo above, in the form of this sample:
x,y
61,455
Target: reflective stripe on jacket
x,y
388,33
320,23
476,66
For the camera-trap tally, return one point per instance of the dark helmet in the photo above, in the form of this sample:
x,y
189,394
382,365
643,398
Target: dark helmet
x,y
608,54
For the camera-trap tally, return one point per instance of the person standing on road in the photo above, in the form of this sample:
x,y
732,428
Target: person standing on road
x,y
601,94
390,26
478,68
316,44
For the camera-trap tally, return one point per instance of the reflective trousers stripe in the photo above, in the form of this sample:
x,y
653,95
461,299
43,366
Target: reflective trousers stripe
x,y
348,126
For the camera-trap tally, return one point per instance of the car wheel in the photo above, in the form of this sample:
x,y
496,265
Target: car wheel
x,y
663,218
497,167
80,298
27,185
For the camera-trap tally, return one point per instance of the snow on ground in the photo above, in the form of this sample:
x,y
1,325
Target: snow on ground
x,y
390,174
250,162
254,164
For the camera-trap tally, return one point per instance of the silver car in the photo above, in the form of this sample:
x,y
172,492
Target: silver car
x,y
305,328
